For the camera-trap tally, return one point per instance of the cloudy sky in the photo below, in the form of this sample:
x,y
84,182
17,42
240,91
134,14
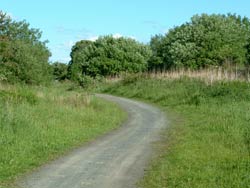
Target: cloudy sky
x,y
63,22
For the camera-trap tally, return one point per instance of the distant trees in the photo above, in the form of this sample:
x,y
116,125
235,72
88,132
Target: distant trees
x,y
23,57
248,51
205,40
60,71
108,56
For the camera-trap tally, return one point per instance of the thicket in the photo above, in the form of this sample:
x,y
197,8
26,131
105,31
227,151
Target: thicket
x,y
206,40
108,56
23,56
60,71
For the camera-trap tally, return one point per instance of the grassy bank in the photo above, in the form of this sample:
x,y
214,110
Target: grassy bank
x,y
211,146
38,124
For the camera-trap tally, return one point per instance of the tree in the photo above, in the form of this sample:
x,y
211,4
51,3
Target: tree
x,y
248,52
79,59
205,40
108,56
23,57
157,59
60,71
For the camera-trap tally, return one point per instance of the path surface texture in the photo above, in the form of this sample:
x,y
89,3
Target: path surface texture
x,y
116,160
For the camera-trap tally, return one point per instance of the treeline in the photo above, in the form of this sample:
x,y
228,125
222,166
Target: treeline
x,y
23,56
108,56
206,40
217,40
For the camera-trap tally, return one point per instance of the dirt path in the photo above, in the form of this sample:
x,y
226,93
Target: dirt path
x,y
116,160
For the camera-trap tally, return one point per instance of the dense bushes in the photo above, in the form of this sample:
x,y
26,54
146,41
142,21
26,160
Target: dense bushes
x,y
23,57
60,71
108,56
205,40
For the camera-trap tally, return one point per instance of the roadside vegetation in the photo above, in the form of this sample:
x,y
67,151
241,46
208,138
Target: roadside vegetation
x,y
38,124
208,144
206,41
41,116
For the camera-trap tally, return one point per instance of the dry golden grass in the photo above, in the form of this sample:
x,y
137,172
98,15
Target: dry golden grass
x,y
208,75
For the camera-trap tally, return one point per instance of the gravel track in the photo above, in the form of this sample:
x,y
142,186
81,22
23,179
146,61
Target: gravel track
x,y
116,160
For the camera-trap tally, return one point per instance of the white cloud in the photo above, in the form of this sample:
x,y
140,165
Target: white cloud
x,y
117,35
93,38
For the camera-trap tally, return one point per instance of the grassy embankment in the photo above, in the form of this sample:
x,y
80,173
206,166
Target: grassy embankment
x,y
210,147
38,124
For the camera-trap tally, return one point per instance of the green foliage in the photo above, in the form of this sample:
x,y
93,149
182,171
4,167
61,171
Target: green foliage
x,y
205,40
248,52
86,81
208,141
60,71
38,124
132,78
18,96
23,57
108,56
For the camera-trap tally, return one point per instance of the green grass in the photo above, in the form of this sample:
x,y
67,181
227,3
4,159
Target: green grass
x,y
38,124
208,146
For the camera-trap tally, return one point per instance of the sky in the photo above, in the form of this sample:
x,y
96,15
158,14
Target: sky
x,y
64,22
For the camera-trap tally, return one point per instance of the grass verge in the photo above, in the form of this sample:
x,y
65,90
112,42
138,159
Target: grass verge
x,y
211,147
38,124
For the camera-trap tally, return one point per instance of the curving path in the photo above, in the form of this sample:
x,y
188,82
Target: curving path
x,y
116,160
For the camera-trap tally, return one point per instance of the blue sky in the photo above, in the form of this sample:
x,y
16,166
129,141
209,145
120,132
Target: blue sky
x,y
65,22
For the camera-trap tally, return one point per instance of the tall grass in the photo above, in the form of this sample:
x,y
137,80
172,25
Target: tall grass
x,y
210,146
208,75
38,124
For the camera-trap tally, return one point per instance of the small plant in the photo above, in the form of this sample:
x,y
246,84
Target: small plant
x,y
132,78
195,99
86,81
19,96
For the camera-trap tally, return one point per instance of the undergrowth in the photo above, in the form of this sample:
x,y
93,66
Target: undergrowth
x,y
38,124
211,146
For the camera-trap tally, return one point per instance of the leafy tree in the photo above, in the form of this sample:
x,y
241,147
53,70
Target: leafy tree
x,y
79,59
108,56
157,59
60,71
23,57
205,40
248,52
